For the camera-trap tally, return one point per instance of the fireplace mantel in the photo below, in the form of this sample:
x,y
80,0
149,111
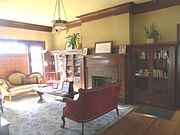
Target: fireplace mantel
x,y
105,65
110,60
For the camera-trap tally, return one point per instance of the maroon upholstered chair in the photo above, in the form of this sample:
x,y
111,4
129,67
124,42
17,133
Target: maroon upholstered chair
x,y
92,103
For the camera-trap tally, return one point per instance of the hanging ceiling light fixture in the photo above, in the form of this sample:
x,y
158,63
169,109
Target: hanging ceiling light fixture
x,y
59,25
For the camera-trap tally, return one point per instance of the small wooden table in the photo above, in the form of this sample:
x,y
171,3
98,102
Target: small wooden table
x,y
56,93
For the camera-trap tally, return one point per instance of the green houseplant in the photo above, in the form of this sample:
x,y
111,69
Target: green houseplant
x,y
152,33
73,40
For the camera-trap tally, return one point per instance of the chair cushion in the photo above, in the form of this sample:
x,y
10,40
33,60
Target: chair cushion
x,y
22,88
29,80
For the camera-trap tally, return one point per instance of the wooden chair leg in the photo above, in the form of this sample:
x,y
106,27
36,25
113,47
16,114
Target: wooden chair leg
x,y
117,110
63,119
82,128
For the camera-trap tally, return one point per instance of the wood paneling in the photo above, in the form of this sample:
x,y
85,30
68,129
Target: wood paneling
x,y
116,60
178,32
74,23
109,60
21,25
112,11
116,10
154,5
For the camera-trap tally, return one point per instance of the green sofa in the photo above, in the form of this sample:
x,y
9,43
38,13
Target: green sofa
x,y
18,83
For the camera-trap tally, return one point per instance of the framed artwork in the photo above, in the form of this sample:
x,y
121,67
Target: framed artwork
x,y
103,47
85,51
122,49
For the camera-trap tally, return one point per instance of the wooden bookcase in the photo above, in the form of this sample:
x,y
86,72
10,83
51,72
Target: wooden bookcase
x,y
154,74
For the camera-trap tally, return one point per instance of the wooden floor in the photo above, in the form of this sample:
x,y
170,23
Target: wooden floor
x,y
138,124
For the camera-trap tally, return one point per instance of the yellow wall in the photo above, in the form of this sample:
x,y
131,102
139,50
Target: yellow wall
x,y
59,39
115,28
165,19
24,34
121,29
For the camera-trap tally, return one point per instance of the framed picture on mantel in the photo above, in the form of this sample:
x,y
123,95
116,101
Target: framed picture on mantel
x,y
122,49
103,47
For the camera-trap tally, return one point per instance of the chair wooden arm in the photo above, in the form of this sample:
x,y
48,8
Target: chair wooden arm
x,y
4,92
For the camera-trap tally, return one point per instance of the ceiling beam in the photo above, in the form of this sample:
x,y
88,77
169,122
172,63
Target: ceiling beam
x,y
129,7
21,25
154,5
116,10
74,23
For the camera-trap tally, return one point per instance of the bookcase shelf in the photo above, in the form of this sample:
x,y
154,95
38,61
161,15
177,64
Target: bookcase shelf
x,y
153,73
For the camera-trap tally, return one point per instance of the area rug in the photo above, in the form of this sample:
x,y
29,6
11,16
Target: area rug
x,y
27,117
156,112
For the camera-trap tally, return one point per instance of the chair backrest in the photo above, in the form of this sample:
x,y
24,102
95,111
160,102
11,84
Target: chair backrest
x,y
37,75
16,78
99,100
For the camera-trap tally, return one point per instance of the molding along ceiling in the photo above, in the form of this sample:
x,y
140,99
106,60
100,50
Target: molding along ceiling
x,y
41,12
32,14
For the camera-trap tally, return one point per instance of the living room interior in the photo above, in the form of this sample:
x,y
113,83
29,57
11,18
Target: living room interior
x,y
112,47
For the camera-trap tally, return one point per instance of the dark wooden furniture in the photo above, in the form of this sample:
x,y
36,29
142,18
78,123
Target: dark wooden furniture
x,y
154,74
105,65
76,67
67,90
91,104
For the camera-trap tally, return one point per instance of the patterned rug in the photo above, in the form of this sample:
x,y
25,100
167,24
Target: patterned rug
x,y
27,117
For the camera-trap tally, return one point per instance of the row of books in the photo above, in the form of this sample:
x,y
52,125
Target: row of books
x,y
159,73
162,54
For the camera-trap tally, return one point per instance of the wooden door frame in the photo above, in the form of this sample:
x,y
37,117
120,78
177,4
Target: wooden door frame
x,y
178,32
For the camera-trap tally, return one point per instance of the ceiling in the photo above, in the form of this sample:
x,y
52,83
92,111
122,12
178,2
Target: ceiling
x,y
42,11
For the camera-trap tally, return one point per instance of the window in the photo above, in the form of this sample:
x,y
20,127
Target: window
x,y
20,55
12,48
36,59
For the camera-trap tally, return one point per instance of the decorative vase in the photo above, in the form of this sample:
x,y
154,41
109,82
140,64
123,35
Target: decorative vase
x,y
79,45
150,40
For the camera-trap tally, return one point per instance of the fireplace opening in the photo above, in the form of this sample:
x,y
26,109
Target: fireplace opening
x,y
100,80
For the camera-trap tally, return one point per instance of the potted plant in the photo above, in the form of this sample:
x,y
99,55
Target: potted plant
x,y
73,40
152,33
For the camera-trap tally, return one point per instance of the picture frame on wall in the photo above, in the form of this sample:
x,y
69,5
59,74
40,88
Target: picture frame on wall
x,y
85,51
122,49
103,47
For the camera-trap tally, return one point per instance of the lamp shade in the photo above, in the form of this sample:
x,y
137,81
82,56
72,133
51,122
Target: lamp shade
x,y
59,25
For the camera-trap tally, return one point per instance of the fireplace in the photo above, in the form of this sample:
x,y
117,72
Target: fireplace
x,y
101,69
100,80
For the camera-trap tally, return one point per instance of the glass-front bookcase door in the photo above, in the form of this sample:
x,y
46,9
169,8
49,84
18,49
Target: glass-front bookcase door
x,y
141,71
160,71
